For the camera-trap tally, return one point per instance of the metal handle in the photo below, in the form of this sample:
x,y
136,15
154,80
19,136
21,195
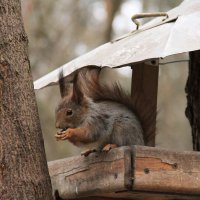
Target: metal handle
x,y
145,15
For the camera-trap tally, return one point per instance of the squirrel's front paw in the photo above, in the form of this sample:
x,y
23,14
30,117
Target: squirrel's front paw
x,y
64,135
108,147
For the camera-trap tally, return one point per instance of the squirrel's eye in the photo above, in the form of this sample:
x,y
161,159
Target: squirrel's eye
x,y
69,112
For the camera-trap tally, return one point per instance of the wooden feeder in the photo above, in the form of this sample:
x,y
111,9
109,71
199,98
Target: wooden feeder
x,y
137,172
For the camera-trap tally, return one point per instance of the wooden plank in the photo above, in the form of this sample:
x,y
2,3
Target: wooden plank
x,y
145,83
136,172
86,176
164,171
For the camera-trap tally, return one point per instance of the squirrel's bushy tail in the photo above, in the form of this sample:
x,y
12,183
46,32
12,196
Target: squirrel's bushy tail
x,y
103,92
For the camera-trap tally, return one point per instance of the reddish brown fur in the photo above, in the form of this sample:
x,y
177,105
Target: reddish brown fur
x,y
75,135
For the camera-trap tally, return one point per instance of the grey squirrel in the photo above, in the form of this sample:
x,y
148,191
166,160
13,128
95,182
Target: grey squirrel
x,y
97,116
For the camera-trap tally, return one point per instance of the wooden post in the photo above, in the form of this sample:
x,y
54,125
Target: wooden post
x,y
145,82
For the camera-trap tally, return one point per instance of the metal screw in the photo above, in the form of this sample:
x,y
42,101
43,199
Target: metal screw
x,y
146,170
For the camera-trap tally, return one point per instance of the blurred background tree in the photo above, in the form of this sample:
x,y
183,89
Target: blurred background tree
x,y
61,30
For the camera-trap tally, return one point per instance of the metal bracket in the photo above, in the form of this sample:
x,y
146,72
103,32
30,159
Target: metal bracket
x,y
146,15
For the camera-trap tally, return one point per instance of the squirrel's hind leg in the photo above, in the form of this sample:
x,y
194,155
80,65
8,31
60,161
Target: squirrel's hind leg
x,y
106,148
87,152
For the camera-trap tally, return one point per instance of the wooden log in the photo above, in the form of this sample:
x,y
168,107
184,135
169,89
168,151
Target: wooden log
x,y
145,82
136,172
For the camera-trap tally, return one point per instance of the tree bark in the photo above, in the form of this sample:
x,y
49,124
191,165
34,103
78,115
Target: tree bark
x,y
23,166
193,97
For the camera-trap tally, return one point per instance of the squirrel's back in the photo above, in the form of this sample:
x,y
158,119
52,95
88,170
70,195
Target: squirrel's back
x,y
116,123
118,99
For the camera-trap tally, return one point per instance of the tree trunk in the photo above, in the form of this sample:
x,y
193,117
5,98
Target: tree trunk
x,y
193,98
23,166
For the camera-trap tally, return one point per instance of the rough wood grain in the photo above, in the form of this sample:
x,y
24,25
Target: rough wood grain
x,y
160,170
97,173
145,83
23,166
136,172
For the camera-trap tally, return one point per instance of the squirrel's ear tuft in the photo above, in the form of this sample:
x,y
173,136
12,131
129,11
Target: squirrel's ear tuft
x,y
65,83
77,95
61,83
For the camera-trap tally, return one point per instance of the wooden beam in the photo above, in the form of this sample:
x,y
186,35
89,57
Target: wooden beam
x,y
164,171
145,84
98,173
137,172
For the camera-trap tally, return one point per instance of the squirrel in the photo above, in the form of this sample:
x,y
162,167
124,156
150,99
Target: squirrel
x,y
99,117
